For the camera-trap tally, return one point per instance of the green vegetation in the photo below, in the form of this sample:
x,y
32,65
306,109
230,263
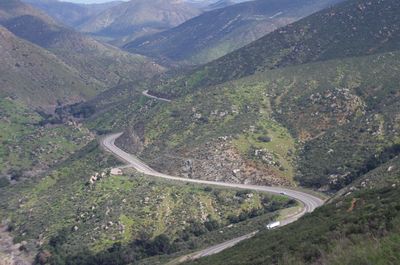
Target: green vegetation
x,y
37,77
27,146
271,143
228,118
315,103
359,228
197,41
310,113
348,29
118,214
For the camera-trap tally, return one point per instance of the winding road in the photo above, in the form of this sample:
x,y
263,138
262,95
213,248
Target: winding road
x,y
146,93
309,202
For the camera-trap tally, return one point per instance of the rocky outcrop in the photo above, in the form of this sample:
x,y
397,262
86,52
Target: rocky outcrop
x,y
132,140
10,253
217,161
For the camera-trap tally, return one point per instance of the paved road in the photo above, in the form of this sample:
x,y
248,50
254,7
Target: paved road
x,y
146,93
220,247
309,201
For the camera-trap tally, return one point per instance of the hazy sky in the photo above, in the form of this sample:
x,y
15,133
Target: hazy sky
x,y
88,1
96,1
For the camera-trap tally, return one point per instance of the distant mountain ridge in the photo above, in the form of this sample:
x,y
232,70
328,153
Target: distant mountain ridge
x,y
70,14
218,32
351,28
135,18
91,58
37,77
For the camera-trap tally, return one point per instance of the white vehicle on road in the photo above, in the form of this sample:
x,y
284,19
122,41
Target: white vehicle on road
x,y
273,225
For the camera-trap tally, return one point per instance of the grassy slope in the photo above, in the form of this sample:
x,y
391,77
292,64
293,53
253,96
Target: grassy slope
x,y
108,65
26,146
199,41
119,208
352,28
37,77
360,228
234,110
313,109
127,21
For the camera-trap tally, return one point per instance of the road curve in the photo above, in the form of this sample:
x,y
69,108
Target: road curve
x,y
146,93
309,201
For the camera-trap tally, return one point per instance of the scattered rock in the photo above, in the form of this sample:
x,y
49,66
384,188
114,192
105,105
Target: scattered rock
x,y
116,171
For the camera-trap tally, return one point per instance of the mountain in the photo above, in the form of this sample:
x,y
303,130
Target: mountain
x,y
315,104
320,107
351,28
91,58
208,5
320,124
326,90
220,4
14,8
122,219
128,21
37,77
70,14
358,228
216,33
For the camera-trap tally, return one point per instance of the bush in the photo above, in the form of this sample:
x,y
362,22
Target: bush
x,y
208,189
197,228
233,219
160,245
4,182
211,224
16,175
264,139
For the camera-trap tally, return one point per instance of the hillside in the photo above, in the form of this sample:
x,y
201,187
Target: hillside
x,y
359,228
279,126
29,149
337,101
14,8
70,14
37,77
128,21
219,4
295,123
313,106
216,33
123,219
91,58
351,28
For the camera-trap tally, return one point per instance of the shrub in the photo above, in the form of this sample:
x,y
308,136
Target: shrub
x,y
264,139
4,182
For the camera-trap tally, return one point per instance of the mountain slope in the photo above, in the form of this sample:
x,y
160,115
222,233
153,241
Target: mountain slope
x,y
91,58
295,123
70,14
37,77
135,18
131,211
10,9
359,228
220,4
351,28
216,33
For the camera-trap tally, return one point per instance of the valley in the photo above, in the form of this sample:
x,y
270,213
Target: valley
x,y
199,132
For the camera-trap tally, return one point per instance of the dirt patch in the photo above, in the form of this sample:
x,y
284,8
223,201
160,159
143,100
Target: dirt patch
x,y
10,253
353,205
216,161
